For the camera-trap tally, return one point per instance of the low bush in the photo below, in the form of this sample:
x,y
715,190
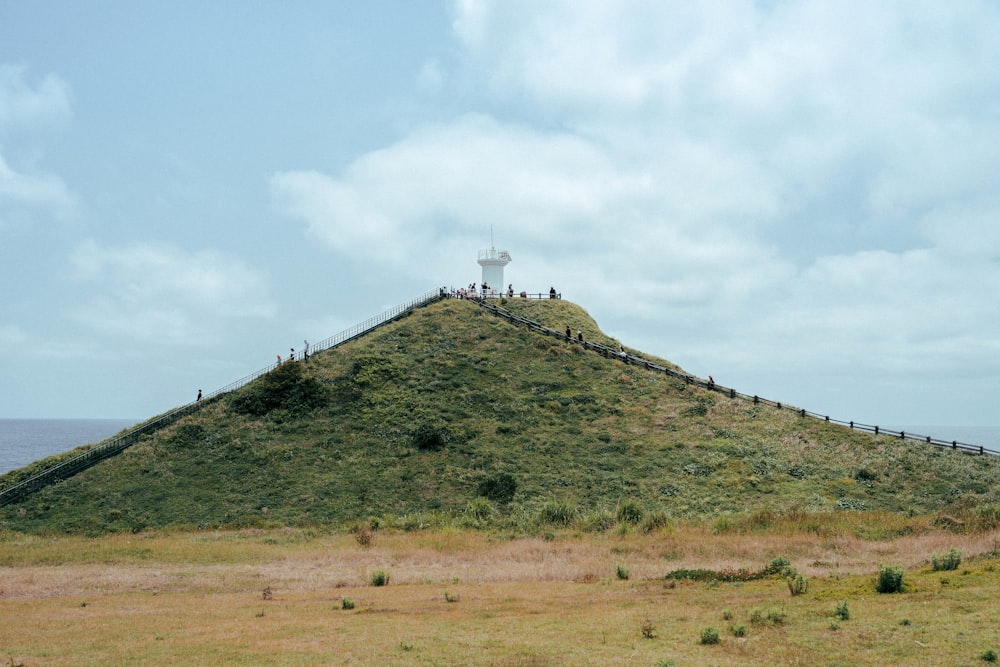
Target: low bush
x,y
948,561
889,580
558,512
842,612
778,566
285,388
797,584
379,578
709,636
629,512
621,572
479,510
499,488
347,603
773,616
428,437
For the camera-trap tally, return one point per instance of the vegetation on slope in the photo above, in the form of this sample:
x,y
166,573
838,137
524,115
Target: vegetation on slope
x,y
453,414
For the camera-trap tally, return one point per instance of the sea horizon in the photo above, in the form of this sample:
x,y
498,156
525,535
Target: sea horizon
x,y
26,440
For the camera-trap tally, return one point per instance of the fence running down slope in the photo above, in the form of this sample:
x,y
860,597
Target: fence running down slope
x,y
122,441
728,391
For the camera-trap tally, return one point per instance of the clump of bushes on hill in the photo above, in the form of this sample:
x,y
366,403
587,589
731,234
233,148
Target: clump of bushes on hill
x,y
499,488
285,388
429,437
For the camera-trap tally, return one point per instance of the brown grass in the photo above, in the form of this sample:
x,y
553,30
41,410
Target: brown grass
x,y
197,598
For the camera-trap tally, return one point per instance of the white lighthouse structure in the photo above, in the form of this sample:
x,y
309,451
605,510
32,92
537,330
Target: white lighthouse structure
x,y
493,261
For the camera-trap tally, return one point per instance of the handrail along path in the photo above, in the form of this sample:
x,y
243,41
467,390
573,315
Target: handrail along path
x,y
710,385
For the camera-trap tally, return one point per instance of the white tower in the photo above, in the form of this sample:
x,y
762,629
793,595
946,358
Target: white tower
x,y
493,261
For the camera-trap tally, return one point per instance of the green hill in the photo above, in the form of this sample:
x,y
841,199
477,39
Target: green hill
x,y
452,414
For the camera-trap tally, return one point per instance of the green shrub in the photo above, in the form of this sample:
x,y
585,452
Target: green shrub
x,y
779,564
739,630
621,572
347,603
948,561
890,579
709,636
773,616
479,509
629,512
842,612
285,388
797,584
380,578
558,512
989,656
499,488
428,437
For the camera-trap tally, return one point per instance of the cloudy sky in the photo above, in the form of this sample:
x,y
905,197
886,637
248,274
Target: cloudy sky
x,y
800,198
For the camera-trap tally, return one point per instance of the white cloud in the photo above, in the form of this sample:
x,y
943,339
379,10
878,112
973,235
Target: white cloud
x,y
22,195
26,192
777,185
163,294
25,106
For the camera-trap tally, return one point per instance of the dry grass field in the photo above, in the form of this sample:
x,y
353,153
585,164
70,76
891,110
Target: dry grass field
x,y
469,598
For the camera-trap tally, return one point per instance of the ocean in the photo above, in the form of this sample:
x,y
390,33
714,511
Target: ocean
x,y
24,441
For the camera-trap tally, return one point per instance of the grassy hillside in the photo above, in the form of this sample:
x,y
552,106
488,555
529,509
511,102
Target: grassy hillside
x,y
453,414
